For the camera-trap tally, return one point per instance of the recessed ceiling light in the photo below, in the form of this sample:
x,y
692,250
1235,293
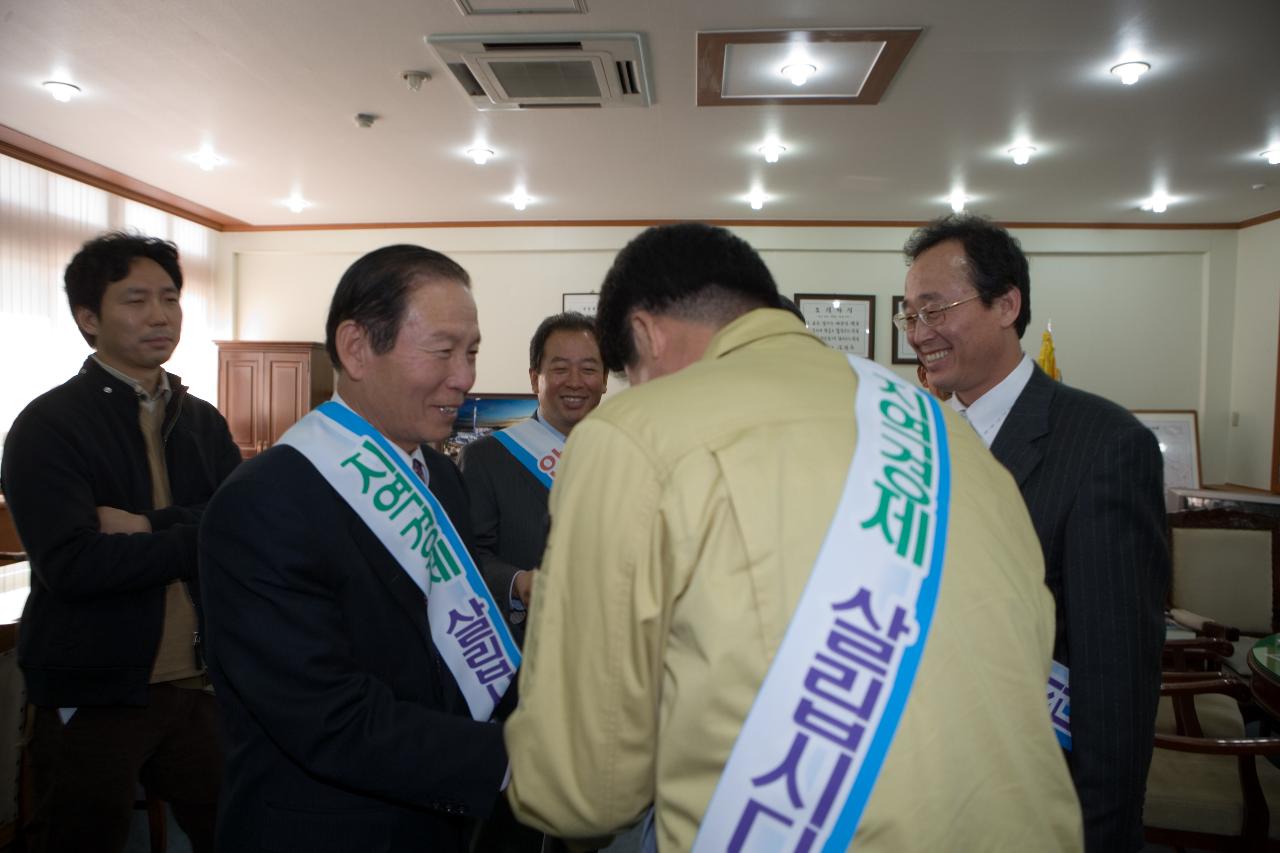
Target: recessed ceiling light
x,y
958,200
756,198
1272,155
771,151
1158,203
1021,154
480,155
296,203
520,199
61,91
206,158
799,72
1129,72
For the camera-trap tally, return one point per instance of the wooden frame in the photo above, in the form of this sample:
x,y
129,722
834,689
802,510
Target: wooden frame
x,y
844,321
900,350
1178,432
712,45
581,303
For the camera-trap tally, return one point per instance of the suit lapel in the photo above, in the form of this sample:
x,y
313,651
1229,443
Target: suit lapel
x,y
1016,445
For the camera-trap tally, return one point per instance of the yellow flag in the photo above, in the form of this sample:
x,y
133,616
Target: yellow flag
x,y
1048,363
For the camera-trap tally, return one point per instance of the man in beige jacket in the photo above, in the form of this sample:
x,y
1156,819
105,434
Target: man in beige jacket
x,y
686,523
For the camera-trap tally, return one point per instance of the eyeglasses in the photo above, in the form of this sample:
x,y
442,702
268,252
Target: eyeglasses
x,y
931,316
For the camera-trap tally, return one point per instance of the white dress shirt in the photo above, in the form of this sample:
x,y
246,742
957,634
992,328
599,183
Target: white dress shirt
x,y
987,413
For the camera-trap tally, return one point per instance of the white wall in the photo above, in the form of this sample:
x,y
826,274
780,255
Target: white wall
x,y
1144,317
1253,375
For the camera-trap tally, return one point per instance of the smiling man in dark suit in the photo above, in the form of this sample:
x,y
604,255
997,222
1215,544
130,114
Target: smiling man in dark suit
x,y
356,653
509,473
1090,475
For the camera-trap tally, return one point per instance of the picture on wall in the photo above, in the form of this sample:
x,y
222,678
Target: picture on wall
x,y
581,303
482,414
1178,432
843,321
902,351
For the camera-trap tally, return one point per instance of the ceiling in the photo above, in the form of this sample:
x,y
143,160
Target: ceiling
x,y
274,86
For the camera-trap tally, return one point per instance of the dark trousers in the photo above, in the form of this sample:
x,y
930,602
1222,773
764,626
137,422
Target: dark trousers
x,y
85,773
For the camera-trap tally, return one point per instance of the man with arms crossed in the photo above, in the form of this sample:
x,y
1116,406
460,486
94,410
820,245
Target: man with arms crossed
x,y
107,476
706,509
509,473
1090,474
356,652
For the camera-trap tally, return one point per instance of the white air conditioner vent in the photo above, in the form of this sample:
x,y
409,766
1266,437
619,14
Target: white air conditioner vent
x,y
553,70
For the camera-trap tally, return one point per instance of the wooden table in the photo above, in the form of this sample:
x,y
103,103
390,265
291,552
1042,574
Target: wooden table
x,y
1264,670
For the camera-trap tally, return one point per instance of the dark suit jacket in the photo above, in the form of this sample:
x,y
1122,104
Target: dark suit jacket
x,y
1092,478
509,513
344,728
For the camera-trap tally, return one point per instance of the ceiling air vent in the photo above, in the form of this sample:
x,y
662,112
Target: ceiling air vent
x,y
528,71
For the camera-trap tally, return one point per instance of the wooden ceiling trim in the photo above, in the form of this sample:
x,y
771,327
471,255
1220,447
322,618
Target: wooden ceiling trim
x,y
20,146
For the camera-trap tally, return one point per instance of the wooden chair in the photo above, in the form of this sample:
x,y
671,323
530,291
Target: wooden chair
x,y
1211,714
1226,568
1211,793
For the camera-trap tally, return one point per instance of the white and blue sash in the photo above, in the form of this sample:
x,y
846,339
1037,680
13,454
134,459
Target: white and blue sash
x,y
372,477
804,764
1060,703
535,446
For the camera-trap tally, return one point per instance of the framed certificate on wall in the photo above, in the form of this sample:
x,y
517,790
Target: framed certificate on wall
x,y
580,303
1178,432
902,351
843,321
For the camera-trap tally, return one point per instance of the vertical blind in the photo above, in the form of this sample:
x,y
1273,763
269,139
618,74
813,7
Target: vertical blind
x,y
44,219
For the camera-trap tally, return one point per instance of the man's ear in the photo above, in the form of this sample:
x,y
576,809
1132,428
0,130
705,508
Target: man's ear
x,y
1009,305
87,319
352,342
648,335
533,380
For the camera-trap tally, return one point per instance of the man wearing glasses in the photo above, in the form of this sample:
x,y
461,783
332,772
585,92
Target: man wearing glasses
x,y
1091,477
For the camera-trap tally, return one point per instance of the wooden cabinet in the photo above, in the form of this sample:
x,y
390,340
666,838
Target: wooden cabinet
x,y
265,387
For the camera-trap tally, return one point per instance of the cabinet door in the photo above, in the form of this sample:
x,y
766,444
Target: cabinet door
x,y
240,386
288,392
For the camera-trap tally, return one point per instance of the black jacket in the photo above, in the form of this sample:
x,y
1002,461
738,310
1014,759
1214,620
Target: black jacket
x,y
344,729
1091,475
92,624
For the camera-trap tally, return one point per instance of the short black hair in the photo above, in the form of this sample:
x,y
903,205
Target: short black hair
x,y
106,259
689,269
375,289
996,262
569,321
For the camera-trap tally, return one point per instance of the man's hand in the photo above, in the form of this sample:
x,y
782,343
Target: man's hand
x,y
113,520
524,586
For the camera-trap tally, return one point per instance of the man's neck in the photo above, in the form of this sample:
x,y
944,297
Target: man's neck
x,y
1008,361
148,379
349,394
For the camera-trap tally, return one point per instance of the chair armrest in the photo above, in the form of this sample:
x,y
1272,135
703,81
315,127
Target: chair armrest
x,y
1220,746
1204,626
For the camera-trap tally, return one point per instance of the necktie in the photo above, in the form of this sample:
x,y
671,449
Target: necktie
x,y
420,470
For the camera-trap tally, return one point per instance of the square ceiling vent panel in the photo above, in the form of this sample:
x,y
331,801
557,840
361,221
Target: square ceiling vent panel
x,y
746,67
544,70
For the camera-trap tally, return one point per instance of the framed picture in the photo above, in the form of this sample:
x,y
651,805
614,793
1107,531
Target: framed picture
x,y
581,303
902,351
844,322
1178,432
482,414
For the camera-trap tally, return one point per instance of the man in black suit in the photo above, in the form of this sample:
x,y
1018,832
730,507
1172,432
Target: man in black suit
x,y
508,487
1090,475
351,641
